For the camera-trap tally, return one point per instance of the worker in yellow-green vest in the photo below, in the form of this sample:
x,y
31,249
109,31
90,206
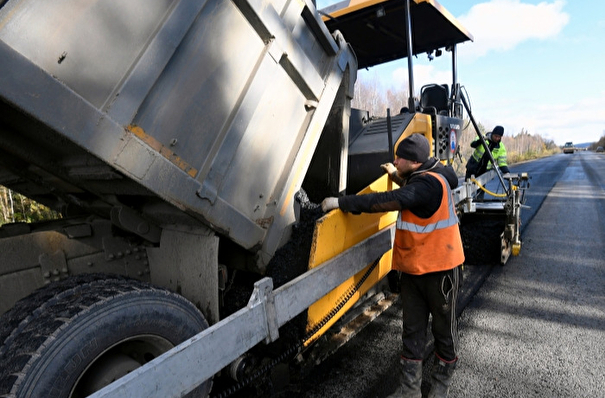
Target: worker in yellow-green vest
x,y
479,161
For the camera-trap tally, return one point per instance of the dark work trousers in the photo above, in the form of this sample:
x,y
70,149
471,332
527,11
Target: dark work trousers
x,y
434,293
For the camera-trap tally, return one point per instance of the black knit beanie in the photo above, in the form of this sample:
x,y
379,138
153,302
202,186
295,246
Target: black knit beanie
x,y
415,147
498,130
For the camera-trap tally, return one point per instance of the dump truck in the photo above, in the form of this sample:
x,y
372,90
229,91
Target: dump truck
x,y
185,145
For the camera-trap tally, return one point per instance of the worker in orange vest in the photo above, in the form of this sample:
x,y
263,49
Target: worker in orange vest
x,y
428,252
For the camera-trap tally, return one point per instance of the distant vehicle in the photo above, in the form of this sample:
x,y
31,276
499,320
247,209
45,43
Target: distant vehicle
x,y
600,149
568,147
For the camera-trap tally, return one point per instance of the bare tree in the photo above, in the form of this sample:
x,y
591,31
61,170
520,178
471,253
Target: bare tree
x,y
15,207
7,205
369,96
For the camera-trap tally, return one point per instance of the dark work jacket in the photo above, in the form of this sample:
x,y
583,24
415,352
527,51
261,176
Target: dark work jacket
x,y
420,193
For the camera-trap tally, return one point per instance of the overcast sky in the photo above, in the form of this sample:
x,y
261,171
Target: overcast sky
x,y
533,65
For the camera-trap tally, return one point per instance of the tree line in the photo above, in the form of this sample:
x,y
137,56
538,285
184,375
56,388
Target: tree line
x,y
595,145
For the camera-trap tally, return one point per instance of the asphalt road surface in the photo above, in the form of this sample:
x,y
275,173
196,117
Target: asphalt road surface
x,y
536,326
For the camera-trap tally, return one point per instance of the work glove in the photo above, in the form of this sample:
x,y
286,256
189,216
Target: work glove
x,y
389,168
329,204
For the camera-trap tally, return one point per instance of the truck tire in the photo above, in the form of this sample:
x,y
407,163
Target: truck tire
x,y
23,308
79,335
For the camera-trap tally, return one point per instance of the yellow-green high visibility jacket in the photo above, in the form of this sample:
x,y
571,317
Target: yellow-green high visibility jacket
x,y
498,152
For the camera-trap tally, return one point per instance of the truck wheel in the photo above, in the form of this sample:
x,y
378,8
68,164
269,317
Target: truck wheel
x,y
89,334
10,320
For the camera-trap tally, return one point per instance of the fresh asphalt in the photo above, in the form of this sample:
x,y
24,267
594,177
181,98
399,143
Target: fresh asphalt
x,y
536,328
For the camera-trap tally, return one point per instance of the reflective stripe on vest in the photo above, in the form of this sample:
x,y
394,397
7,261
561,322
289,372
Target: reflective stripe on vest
x,y
499,155
441,224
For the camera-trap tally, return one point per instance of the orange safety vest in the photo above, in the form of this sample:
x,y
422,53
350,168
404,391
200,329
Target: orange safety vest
x,y
424,245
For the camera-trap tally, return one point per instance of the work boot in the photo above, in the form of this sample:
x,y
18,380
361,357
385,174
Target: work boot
x,y
441,377
410,378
